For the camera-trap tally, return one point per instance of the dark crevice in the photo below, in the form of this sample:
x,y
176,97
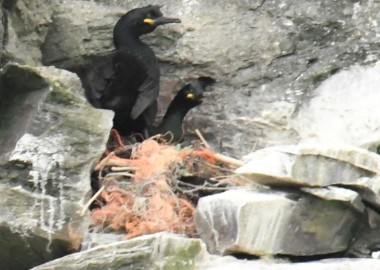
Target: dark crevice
x,y
5,38
7,5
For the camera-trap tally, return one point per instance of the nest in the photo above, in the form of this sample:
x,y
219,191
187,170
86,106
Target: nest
x,y
150,186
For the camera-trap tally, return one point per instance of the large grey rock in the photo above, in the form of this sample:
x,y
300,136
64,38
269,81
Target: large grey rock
x,y
50,137
333,193
158,251
267,223
316,165
330,264
310,164
26,28
343,111
76,32
166,251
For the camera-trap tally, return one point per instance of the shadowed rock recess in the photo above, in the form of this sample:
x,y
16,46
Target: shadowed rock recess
x,y
296,85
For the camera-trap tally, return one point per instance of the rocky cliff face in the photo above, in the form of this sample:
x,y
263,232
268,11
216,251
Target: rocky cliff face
x,y
272,62
266,56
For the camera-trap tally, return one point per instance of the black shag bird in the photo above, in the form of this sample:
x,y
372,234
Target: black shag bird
x,y
190,96
127,81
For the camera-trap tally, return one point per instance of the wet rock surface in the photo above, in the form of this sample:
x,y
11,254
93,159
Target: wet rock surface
x,y
50,141
267,223
166,251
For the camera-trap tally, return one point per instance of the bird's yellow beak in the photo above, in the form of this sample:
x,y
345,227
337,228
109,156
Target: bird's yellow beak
x,y
149,21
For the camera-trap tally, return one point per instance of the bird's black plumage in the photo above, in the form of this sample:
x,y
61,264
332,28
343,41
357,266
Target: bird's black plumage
x,y
127,81
190,96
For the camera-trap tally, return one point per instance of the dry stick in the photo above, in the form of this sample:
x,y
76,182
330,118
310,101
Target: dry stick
x,y
121,162
122,169
104,161
124,173
93,198
228,160
199,134
220,157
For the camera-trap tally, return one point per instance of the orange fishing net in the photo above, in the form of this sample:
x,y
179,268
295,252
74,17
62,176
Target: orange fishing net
x,y
138,195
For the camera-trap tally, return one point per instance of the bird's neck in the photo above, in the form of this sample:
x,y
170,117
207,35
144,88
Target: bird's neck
x,y
129,40
175,113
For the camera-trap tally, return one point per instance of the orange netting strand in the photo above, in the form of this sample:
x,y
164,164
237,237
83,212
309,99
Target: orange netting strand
x,y
148,205
159,211
149,159
118,137
207,155
114,136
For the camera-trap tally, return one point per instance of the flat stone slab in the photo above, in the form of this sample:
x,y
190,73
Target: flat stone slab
x,y
310,164
167,251
337,194
316,165
272,222
157,251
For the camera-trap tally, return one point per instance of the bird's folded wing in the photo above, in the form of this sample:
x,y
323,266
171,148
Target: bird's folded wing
x,y
96,79
147,95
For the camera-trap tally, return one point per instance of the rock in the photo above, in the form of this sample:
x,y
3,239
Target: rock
x,y
310,165
50,138
94,239
376,255
338,194
167,251
267,223
270,60
316,165
2,34
76,32
157,251
267,58
151,250
353,120
367,238
27,23
328,264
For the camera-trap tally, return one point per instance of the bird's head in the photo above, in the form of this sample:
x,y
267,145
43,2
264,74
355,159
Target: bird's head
x,y
191,93
143,20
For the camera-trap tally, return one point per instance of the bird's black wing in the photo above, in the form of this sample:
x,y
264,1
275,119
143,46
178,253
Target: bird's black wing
x,y
146,102
141,79
124,82
96,79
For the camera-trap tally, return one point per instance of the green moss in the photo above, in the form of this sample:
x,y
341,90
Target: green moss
x,y
181,257
62,96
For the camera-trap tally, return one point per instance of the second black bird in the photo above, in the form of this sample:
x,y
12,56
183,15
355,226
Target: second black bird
x,y
190,96
127,82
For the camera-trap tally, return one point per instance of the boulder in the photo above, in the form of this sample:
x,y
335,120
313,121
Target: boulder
x,y
157,251
343,111
50,138
316,165
273,222
167,251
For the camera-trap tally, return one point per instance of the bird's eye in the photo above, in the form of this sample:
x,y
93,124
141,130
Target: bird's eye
x,y
190,96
